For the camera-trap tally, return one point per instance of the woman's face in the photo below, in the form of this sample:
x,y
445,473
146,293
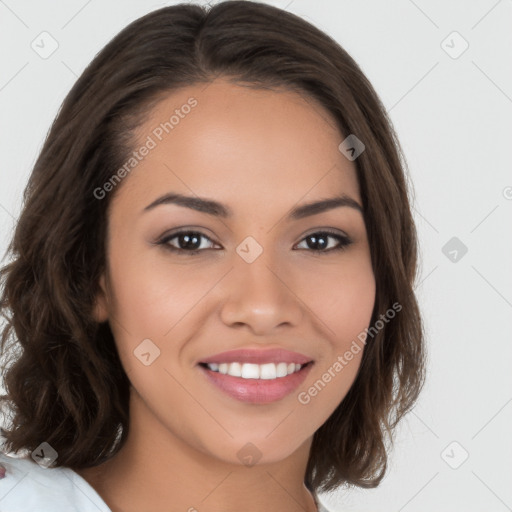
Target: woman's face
x,y
261,277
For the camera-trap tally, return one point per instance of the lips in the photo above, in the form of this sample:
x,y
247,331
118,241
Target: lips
x,y
258,356
254,390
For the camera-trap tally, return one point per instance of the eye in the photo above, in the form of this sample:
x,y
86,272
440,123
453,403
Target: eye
x,y
318,241
191,242
186,241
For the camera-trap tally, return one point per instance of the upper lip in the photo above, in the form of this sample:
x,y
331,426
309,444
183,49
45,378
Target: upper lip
x,y
258,356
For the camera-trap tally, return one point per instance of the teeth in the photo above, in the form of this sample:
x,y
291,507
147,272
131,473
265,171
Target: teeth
x,y
266,371
235,369
282,370
249,371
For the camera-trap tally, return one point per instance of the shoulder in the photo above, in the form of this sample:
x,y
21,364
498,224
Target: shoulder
x,y
27,486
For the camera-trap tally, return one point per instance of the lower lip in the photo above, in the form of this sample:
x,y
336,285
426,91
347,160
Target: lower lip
x,y
257,391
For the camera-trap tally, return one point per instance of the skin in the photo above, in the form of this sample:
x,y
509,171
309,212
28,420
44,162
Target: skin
x,y
261,153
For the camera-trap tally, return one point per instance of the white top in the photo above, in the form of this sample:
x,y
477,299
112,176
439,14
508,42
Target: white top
x,y
30,487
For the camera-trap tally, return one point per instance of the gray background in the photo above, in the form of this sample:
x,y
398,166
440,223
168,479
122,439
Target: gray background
x,y
453,116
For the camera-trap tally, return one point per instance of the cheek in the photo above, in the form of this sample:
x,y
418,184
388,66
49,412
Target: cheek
x,y
351,306
149,296
343,302
343,296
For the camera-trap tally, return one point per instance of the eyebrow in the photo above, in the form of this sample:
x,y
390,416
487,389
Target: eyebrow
x,y
217,209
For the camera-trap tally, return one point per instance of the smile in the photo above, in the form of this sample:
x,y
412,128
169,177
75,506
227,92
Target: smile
x,y
255,383
256,371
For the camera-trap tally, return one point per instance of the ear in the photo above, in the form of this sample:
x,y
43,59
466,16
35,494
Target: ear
x,y
100,309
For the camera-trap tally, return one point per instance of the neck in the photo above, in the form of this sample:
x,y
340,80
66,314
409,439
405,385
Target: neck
x,y
156,469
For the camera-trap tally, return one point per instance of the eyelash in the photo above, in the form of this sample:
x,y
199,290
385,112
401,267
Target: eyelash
x,y
344,242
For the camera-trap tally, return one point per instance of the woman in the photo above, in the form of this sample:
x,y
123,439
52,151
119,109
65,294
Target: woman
x,y
212,276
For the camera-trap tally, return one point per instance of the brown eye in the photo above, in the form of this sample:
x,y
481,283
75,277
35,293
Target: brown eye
x,y
186,242
319,242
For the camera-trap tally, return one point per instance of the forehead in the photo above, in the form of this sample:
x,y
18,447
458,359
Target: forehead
x,y
242,146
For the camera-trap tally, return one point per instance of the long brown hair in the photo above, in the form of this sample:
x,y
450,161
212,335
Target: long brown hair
x,y
64,380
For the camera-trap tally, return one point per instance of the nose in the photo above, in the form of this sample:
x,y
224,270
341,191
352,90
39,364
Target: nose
x,y
261,296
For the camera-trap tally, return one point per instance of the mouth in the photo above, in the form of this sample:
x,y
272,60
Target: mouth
x,y
256,383
267,371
